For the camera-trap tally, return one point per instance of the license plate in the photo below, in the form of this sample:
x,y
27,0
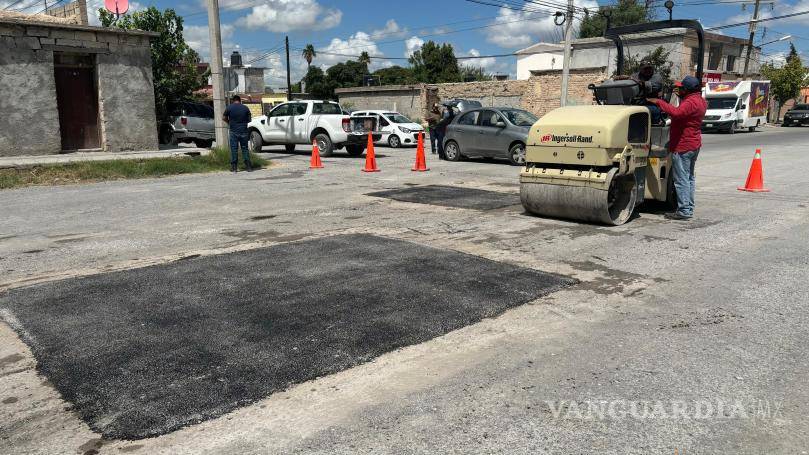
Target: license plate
x,y
709,125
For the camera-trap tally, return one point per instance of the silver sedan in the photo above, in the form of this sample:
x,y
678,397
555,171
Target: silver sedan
x,y
489,133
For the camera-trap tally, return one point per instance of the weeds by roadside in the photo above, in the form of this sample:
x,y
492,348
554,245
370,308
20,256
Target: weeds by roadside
x,y
96,171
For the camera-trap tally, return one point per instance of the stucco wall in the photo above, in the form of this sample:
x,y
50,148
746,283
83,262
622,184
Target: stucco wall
x,y
127,101
28,88
29,121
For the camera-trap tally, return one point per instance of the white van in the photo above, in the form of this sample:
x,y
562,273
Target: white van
x,y
734,105
396,129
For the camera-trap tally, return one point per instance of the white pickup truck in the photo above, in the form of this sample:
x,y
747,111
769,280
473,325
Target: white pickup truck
x,y
301,122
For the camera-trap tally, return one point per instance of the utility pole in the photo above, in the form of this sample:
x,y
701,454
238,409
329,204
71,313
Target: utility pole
x,y
289,81
750,41
568,49
217,81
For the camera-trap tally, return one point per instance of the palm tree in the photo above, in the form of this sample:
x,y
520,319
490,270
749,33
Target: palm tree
x,y
364,58
309,54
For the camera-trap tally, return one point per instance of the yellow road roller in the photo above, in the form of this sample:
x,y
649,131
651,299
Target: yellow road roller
x,y
597,163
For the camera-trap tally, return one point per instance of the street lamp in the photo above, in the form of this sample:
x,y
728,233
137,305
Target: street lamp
x,y
776,40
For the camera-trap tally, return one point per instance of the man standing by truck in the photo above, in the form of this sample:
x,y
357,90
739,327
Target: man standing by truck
x,y
685,141
237,116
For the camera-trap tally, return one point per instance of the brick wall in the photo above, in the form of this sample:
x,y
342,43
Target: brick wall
x,y
539,94
75,11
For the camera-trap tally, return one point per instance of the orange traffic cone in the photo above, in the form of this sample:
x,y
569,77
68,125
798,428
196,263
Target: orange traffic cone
x,y
755,178
370,157
421,161
315,162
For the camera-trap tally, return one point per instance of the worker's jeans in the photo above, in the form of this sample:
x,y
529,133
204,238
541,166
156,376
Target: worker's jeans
x,y
236,140
439,138
433,141
685,182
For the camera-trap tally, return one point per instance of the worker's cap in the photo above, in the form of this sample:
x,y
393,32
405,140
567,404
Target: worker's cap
x,y
690,83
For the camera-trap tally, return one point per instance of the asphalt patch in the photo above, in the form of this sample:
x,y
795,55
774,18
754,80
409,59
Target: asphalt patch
x,y
146,351
452,196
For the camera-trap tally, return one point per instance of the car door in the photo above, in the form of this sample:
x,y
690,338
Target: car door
x,y
491,135
205,121
465,132
277,124
298,128
384,125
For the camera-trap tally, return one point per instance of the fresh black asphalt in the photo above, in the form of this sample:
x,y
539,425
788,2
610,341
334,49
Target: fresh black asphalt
x,y
143,352
452,196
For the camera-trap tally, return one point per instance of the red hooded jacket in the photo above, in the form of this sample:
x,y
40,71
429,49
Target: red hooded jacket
x,y
686,122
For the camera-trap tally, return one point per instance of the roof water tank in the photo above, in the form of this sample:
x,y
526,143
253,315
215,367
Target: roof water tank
x,y
235,59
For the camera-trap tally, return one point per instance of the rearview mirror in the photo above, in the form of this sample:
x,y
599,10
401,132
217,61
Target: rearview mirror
x,y
743,106
500,124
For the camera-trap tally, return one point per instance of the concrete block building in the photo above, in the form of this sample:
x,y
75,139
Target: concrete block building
x,y
70,87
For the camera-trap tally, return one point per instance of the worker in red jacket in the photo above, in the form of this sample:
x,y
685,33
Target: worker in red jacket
x,y
685,140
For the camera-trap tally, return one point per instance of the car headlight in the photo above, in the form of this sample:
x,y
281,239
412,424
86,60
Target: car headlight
x,y
404,130
726,115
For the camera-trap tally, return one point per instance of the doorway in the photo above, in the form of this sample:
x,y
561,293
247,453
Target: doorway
x,y
77,101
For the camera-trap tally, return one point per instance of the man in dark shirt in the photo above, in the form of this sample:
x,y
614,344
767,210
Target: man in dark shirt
x,y
237,116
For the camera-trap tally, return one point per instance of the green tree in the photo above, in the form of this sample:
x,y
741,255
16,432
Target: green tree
x,y
786,82
347,74
658,58
317,85
625,12
174,63
435,64
364,58
309,53
473,73
395,75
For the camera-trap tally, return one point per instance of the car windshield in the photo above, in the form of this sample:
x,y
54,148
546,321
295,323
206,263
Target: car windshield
x,y
395,117
800,107
520,117
721,103
327,108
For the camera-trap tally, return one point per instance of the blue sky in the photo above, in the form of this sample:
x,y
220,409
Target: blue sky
x,y
393,28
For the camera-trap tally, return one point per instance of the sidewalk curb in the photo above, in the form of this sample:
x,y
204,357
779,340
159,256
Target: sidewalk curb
x,y
27,162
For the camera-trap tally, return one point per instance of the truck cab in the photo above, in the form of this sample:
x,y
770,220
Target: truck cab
x,y
301,122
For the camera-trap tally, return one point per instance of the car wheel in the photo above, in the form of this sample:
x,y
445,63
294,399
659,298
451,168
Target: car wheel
x,y
394,141
452,152
732,128
256,143
355,150
324,144
516,154
290,148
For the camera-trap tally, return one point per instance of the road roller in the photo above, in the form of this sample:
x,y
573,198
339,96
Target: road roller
x,y
598,162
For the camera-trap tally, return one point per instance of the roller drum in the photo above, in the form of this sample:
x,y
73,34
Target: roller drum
x,y
612,207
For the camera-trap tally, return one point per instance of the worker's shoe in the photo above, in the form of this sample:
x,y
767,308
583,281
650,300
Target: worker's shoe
x,y
249,166
676,216
234,167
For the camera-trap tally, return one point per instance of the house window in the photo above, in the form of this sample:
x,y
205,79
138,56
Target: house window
x,y
730,63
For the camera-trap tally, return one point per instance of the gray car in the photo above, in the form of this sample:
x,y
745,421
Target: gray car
x,y
489,132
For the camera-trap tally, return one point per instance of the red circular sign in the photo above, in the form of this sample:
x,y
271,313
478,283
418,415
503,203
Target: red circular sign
x,y
117,6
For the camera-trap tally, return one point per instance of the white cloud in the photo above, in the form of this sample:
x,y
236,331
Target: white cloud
x,y
340,50
783,9
198,38
486,62
287,15
412,44
391,29
524,27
